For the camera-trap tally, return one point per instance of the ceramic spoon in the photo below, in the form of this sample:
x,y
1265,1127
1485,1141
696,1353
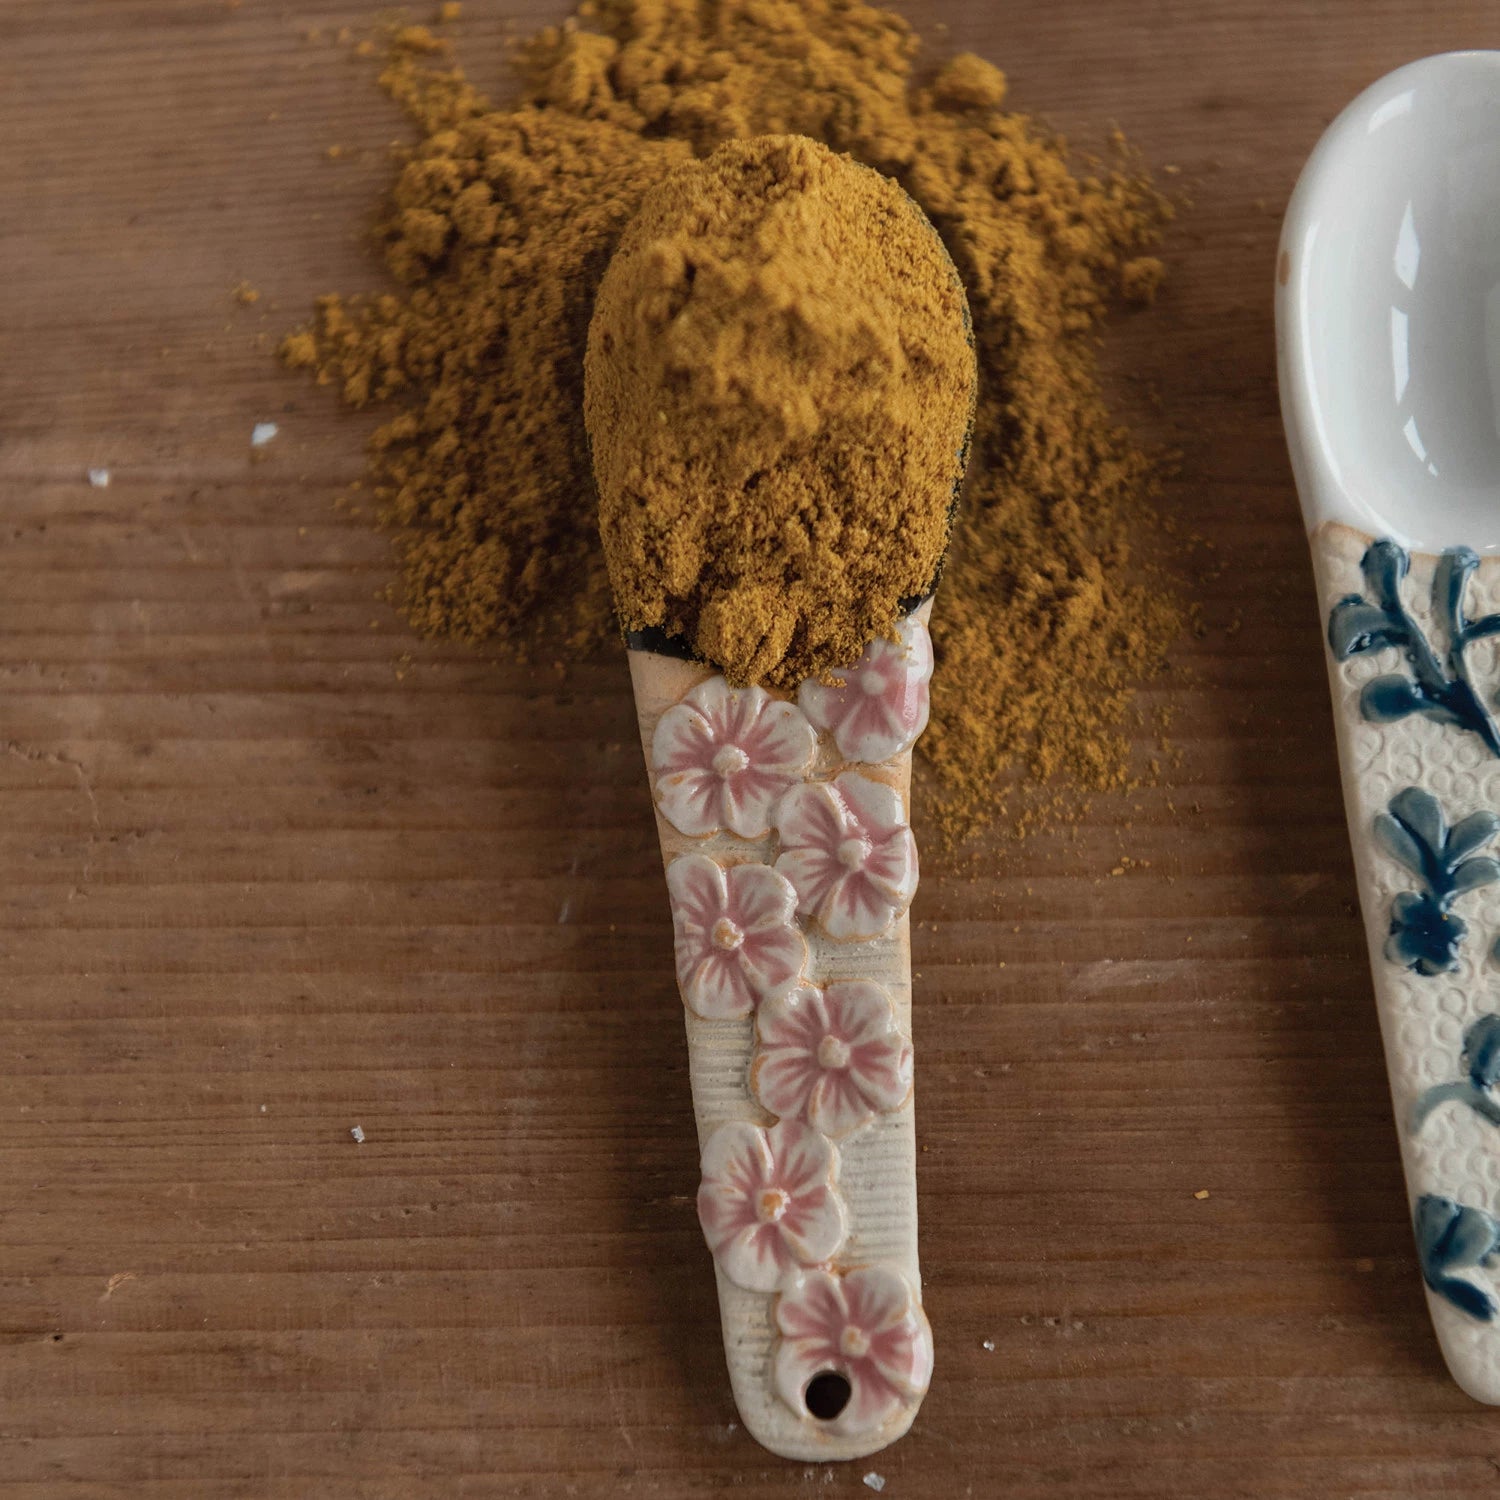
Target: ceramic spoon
x,y
1388,324
785,830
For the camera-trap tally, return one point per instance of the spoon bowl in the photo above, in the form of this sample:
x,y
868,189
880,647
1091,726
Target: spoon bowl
x,y
1389,310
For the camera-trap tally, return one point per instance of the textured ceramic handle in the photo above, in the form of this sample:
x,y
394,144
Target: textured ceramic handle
x,y
1413,665
790,867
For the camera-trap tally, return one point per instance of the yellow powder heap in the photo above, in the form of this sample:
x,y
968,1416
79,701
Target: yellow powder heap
x,y
501,225
778,388
503,221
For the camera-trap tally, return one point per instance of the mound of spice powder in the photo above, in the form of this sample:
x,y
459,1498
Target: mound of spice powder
x,y
778,388
502,221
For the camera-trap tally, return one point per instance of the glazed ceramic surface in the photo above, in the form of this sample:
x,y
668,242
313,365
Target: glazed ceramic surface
x,y
790,867
1388,323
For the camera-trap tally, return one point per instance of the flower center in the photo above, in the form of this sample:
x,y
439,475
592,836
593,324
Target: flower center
x,y
853,853
871,683
729,760
726,935
854,1343
773,1205
833,1053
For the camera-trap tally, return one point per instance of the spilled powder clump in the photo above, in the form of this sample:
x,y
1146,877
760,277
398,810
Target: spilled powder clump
x,y
503,220
778,388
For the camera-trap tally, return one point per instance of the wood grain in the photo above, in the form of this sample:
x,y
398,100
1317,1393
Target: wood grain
x,y
264,879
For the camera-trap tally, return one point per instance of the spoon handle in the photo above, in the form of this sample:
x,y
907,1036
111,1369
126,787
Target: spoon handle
x,y
1413,671
790,869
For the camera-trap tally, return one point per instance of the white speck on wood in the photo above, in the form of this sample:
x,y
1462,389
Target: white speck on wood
x,y
99,478
358,1132
875,1481
262,433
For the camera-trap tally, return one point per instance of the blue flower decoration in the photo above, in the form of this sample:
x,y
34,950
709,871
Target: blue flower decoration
x,y
1425,932
1454,1237
1424,936
1437,684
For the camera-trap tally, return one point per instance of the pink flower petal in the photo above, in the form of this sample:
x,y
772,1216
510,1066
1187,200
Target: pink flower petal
x,y
892,867
698,890
717,988
811,815
876,1297
811,1306
691,801
803,1159
816,1226
782,1081
876,808
782,741
854,909
772,960
858,1010
758,897
813,874
683,740
836,1106
882,1072
756,1257
748,802
796,1020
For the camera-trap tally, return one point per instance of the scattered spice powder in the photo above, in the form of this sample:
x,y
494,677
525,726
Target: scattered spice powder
x,y
501,225
778,389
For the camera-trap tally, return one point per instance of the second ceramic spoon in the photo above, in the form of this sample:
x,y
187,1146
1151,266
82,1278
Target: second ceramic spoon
x,y
1388,323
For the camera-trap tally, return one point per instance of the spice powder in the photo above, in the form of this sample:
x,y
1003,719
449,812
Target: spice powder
x,y
503,220
778,389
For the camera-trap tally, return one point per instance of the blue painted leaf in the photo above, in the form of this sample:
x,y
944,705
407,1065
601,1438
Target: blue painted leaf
x,y
1465,1296
1482,1051
1455,1237
1383,700
1469,1236
1483,627
1423,817
1468,834
1384,566
1399,843
1473,873
1354,626
1450,579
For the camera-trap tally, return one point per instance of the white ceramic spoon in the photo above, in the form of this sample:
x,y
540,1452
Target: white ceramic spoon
x,y
1388,326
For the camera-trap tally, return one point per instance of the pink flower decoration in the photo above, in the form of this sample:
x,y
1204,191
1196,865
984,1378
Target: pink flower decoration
x,y
723,756
846,846
737,937
866,1326
880,705
832,1057
767,1201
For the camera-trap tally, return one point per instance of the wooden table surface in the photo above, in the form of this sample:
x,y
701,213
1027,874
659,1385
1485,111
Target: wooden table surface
x,y
272,869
